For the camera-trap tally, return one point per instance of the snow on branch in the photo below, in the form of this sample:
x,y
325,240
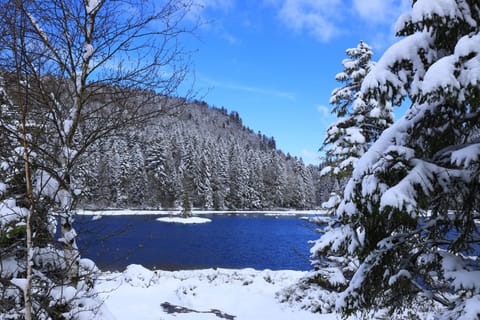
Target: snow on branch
x,y
428,10
385,76
91,6
440,76
462,278
457,73
466,155
423,176
37,27
400,274
10,212
468,308
337,238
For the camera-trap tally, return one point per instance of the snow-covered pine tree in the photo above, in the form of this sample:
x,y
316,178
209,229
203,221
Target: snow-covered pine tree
x,y
205,191
409,209
238,179
220,178
156,165
189,172
299,189
274,178
255,187
360,120
137,187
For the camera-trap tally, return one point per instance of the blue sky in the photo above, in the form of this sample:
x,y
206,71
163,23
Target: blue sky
x,y
275,61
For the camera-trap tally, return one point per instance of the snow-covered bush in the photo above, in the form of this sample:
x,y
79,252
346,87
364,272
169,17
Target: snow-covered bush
x,y
53,294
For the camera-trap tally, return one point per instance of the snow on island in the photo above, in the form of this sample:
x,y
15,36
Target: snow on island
x,y
190,220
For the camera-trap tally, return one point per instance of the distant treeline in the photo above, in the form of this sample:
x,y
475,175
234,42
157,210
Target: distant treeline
x,y
201,154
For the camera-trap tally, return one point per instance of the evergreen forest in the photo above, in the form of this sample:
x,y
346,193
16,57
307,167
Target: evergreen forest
x,y
200,154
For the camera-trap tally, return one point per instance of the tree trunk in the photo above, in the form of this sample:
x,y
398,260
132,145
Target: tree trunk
x,y
29,263
70,248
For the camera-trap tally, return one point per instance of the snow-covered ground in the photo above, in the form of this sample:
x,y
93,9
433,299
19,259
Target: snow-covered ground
x,y
209,294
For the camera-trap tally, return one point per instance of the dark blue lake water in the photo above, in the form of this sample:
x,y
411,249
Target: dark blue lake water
x,y
231,241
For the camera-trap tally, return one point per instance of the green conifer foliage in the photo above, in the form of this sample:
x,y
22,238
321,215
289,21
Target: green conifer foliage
x,y
409,211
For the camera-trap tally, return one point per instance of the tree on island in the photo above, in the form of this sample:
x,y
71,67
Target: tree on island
x,y
408,212
72,73
186,206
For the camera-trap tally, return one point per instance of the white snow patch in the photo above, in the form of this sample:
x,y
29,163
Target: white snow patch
x,y
89,50
3,188
68,236
20,282
427,9
191,220
401,274
332,202
91,5
9,212
467,155
67,125
247,294
10,267
472,307
441,75
464,279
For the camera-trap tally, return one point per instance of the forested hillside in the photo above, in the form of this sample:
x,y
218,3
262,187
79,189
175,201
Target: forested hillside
x,y
202,155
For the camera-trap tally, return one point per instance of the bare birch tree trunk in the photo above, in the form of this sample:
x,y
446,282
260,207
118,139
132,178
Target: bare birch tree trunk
x,y
23,104
70,249
27,292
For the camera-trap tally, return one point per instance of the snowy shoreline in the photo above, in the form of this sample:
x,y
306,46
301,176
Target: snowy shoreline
x,y
120,212
240,294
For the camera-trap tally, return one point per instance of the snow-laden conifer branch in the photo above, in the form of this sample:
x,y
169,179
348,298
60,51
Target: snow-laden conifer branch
x,y
414,192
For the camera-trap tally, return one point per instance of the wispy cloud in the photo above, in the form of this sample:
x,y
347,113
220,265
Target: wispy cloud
x,y
316,17
327,19
324,110
264,91
310,156
380,11
225,35
383,13
324,20
251,89
201,6
203,10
